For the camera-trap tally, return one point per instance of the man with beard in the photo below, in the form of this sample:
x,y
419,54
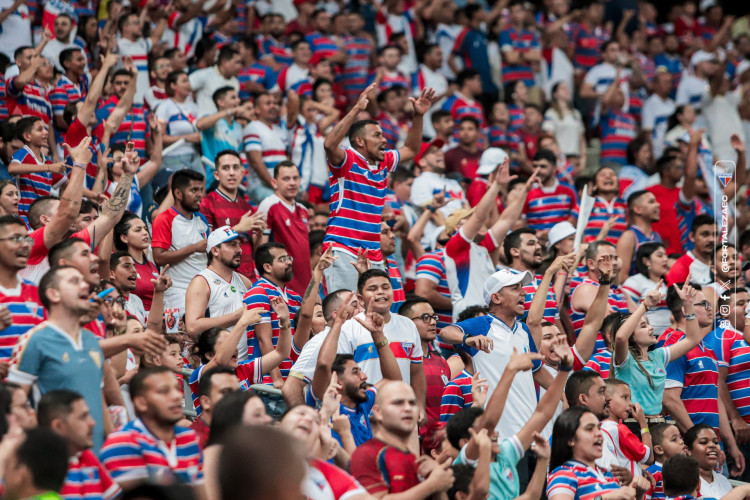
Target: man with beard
x,y
341,370
274,265
53,219
287,221
643,211
523,252
696,263
65,412
59,354
152,448
382,465
20,308
219,288
179,236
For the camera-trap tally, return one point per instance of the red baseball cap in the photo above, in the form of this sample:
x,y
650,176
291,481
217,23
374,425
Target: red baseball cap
x,y
438,143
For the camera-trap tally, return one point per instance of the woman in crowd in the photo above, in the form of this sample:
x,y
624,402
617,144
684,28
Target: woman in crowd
x,y
651,264
565,122
8,197
131,235
703,444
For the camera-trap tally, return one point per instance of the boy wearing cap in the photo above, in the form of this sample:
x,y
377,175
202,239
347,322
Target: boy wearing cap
x,y
432,180
219,288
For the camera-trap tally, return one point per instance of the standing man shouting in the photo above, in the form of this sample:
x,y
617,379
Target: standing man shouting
x,y
358,185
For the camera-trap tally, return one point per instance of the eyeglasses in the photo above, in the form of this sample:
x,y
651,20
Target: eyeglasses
x,y
426,317
117,300
284,259
705,304
19,238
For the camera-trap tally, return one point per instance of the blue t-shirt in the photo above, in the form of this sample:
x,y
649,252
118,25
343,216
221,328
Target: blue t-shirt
x,y
359,416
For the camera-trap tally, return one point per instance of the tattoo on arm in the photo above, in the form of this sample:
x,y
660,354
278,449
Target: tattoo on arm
x,y
119,199
309,291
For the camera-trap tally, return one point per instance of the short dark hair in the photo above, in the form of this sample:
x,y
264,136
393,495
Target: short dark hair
x,y
124,18
358,128
400,175
439,114
634,197
39,207
579,382
182,179
67,54
594,246
609,42
383,95
466,74
56,404
463,475
205,384
408,305
220,93
339,363
263,255
382,50
283,164
138,382
19,51
645,251
225,152
513,240
171,79
228,414
121,72
692,434
460,423
61,250
24,126
546,154
114,259
369,274
332,302
297,43
45,453
10,220
674,302
657,432
472,312
50,280
226,53
701,220
680,475
469,119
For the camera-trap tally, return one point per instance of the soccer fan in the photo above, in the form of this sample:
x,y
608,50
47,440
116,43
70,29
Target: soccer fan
x,y
344,373
651,264
214,384
464,158
35,465
437,371
178,115
139,451
222,130
255,77
206,81
671,168
395,412
552,201
134,126
520,47
214,296
432,180
275,267
643,211
39,357
66,413
72,86
471,46
265,144
657,110
287,221
697,262
124,275
668,443
298,71
726,271
462,103
180,236
159,68
354,180
28,95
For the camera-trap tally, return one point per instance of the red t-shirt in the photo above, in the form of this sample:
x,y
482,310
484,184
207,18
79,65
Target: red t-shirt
x,y
477,189
380,467
144,289
289,227
667,227
221,211
437,374
203,431
458,160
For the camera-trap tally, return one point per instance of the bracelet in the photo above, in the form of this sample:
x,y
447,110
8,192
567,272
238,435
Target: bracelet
x,y
564,368
466,336
285,326
690,317
430,208
645,431
645,306
605,282
79,165
382,343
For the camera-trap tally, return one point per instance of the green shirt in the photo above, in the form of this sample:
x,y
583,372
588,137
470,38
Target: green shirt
x,y
503,476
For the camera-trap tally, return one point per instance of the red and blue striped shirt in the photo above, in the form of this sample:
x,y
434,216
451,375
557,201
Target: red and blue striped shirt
x,y
733,353
66,91
600,214
431,266
354,76
36,184
248,373
32,100
357,200
278,51
616,301
321,45
579,481
551,313
258,297
600,362
87,479
588,43
133,128
461,107
545,207
618,129
520,41
26,311
504,138
456,396
255,73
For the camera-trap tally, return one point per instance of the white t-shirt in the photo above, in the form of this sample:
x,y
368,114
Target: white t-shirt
x,y
567,130
428,184
521,401
53,49
180,118
16,29
138,51
655,117
271,141
466,271
660,317
304,367
404,342
134,306
185,37
720,487
207,81
692,90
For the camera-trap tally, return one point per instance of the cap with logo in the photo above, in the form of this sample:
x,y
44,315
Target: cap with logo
x,y
220,235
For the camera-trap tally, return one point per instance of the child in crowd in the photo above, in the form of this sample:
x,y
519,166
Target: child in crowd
x,y
667,442
621,446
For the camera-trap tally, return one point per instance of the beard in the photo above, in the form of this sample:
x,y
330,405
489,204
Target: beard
x,y
354,395
288,275
231,264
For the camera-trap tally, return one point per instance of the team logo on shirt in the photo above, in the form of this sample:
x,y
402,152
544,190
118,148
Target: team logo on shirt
x,y
217,282
33,307
66,357
408,348
508,473
96,358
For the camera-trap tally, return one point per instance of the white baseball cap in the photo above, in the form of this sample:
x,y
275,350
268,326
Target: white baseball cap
x,y
490,160
559,232
701,56
503,278
220,235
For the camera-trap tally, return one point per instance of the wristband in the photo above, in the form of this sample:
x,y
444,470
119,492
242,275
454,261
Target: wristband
x,y
645,431
430,208
79,165
645,306
285,326
605,282
564,368
382,343
690,317
466,336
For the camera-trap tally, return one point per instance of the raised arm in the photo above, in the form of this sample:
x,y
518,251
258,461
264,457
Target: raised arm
x,y
374,324
501,178
651,299
512,213
336,155
225,351
594,318
413,141
691,164
87,109
536,309
329,347
610,93
305,314
693,334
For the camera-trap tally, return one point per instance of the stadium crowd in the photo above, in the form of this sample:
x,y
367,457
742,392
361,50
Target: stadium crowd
x,y
403,249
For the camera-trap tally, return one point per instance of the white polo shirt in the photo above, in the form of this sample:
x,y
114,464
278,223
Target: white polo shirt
x,y
522,400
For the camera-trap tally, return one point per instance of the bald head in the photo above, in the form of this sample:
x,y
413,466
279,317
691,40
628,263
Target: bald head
x,y
396,408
